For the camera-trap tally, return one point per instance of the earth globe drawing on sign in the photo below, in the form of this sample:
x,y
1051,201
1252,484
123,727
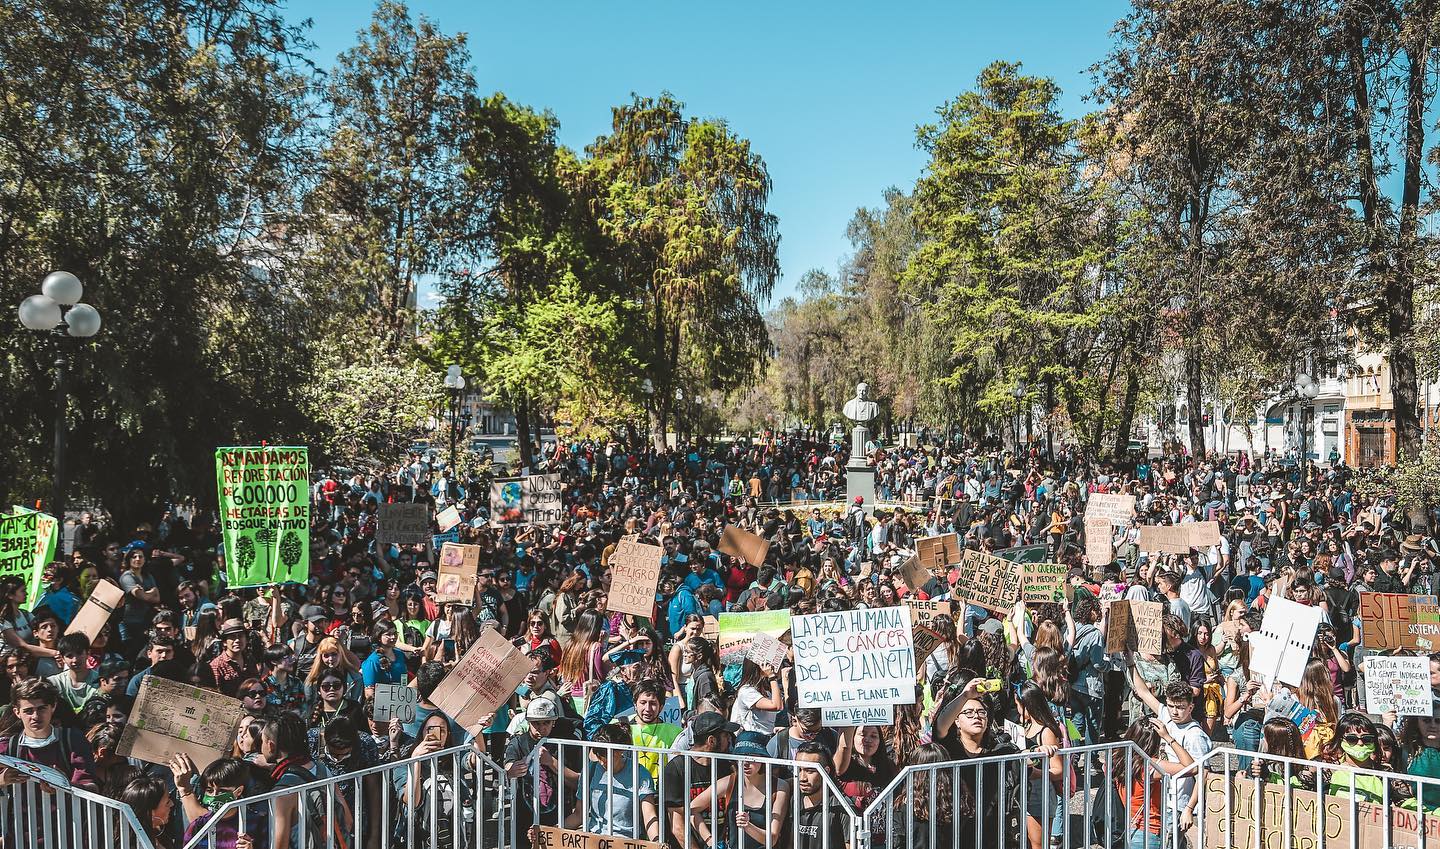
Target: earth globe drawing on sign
x,y
511,496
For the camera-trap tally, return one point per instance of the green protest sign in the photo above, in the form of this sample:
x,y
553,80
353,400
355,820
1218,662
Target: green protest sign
x,y
28,539
264,514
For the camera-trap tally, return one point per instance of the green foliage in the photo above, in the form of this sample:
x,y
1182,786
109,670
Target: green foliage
x,y
367,411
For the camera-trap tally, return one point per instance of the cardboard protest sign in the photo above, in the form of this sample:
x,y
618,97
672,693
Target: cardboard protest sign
x,y
1114,508
988,581
854,657
531,500
404,524
1401,684
1297,819
858,716
549,837
104,599
28,539
264,514
456,573
1399,621
915,575
1120,634
634,574
1165,539
1202,534
447,519
1149,618
766,650
925,642
170,717
395,700
749,547
922,613
711,628
1099,542
1043,583
938,552
736,631
485,677
1280,649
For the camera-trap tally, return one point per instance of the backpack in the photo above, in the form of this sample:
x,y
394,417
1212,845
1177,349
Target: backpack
x,y
609,700
315,813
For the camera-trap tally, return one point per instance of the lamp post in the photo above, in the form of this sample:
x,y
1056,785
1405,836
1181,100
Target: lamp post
x,y
1018,393
454,382
57,309
1305,389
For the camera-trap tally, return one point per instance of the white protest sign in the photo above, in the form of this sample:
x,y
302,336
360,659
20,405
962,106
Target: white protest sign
x,y
859,715
854,657
1280,649
37,771
395,700
1116,508
767,650
1401,684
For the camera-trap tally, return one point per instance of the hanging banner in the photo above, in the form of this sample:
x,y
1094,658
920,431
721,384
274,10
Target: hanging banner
x,y
531,500
854,657
28,539
264,514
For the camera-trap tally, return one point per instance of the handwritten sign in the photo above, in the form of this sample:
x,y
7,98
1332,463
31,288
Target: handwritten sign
x,y
1287,818
938,552
1399,684
404,524
988,581
1113,508
549,837
1203,534
1149,619
447,518
854,657
1165,539
1120,634
634,573
485,677
737,631
915,575
103,600
1399,621
395,701
531,500
922,613
170,717
740,543
767,650
456,575
926,641
1099,542
1042,583
858,716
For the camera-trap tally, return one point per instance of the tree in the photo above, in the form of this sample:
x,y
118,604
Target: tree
x,y
387,206
371,410
683,204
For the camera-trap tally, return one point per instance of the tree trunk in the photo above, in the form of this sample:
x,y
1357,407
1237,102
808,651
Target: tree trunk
x,y
1400,292
1127,411
1195,401
522,429
659,419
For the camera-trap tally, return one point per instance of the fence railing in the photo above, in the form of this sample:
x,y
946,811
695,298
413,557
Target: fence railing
x,y
43,816
457,798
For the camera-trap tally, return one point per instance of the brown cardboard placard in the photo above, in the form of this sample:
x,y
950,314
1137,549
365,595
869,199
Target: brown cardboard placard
x,y
914,575
740,543
634,574
550,837
988,581
1165,539
922,613
485,677
1149,617
170,717
1119,628
457,567
938,552
105,598
1099,542
925,641
1203,534
1284,814
1399,621
1114,508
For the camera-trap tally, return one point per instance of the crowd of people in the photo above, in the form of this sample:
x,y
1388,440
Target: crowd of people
x,y
304,660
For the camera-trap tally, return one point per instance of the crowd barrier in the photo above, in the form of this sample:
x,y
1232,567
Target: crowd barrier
x,y
33,814
1109,796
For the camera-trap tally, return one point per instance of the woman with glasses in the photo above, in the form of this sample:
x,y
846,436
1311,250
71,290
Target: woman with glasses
x,y
332,703
1355,745
963,726
537,635
332,656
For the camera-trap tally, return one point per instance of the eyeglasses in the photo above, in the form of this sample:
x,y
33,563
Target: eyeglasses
x,y
1359,739
975,713
332,685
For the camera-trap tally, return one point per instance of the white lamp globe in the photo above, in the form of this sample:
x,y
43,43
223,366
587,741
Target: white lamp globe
x,y
63,287
83,321
39,312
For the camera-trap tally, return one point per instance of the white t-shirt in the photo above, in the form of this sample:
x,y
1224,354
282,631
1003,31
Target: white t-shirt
x,y
747,716
1195,741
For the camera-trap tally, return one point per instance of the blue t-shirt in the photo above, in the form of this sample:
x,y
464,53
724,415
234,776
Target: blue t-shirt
x,y
372,673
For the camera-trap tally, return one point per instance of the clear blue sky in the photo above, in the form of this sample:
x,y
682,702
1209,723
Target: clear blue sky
x,y
828,93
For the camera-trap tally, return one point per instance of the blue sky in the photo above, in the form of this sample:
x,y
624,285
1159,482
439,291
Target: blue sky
x,y
829,94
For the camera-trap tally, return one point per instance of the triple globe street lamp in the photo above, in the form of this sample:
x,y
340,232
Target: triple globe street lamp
x,y
1306,389
57,309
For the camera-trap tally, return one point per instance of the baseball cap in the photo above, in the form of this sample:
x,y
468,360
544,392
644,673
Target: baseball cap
x,y
313,613
428,576
541,709
710,722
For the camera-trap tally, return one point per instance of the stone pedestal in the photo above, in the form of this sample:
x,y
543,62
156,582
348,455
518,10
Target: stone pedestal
x,y
860,480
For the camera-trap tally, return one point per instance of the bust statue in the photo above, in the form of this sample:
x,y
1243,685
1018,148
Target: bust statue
x,y
860,408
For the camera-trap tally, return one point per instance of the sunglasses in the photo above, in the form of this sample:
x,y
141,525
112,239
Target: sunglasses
x,y
252,694
1359,739
332,685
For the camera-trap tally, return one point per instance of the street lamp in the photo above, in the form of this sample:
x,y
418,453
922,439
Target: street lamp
x,y
456,384
1018,393
1305,389
57,309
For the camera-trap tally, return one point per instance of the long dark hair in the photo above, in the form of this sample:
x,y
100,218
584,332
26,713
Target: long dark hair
x,y
1037,705
1350,721
143,794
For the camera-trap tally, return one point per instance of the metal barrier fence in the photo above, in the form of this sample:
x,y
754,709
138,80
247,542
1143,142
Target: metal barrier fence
x,y
457,798
40,815
1259,800
1072,799
702,799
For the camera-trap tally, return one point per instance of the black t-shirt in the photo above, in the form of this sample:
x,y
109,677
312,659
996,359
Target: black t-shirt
x,y
678,795
818,828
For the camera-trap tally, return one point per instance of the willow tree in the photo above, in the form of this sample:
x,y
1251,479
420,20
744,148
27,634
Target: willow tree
x,y
682,202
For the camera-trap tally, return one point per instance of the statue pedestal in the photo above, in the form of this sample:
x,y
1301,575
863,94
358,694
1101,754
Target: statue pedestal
x,y
860,480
